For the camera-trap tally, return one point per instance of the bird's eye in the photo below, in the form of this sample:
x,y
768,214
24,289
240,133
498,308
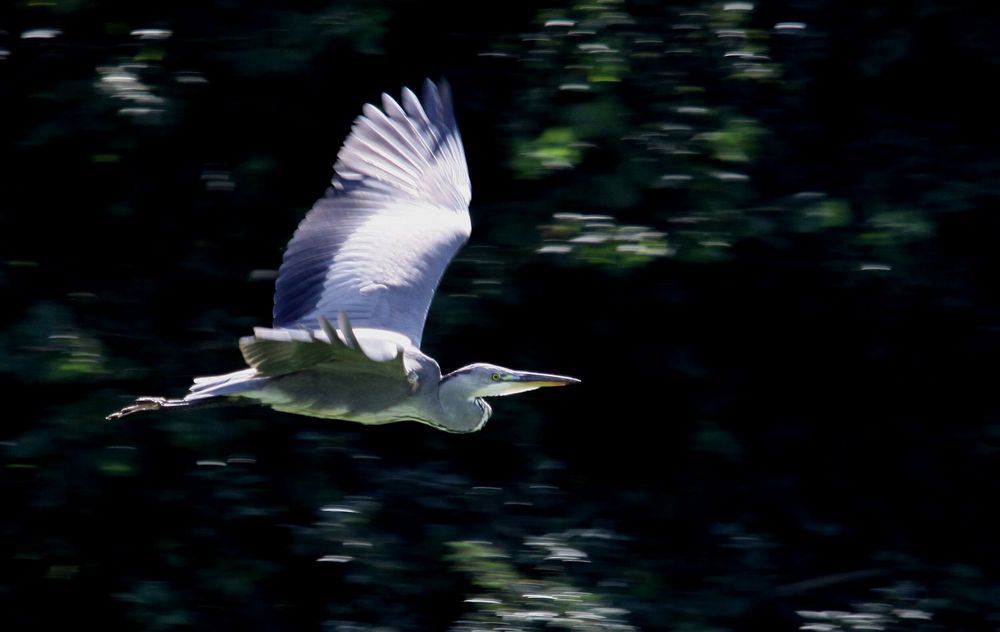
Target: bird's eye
x,y
495,377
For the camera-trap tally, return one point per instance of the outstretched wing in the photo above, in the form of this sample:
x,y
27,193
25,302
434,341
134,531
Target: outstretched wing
x,y
376,245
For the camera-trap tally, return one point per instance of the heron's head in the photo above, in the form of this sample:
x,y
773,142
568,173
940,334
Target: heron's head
x,y
490,380
462,392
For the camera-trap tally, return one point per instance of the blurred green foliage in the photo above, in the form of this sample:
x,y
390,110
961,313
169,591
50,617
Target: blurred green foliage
x,y
510,598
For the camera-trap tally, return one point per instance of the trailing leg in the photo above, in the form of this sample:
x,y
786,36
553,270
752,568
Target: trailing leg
x,y
144,404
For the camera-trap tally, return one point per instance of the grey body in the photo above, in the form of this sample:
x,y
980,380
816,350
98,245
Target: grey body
x,y
374,399
368,257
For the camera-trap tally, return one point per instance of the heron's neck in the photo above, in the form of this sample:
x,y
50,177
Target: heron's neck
x,y
465,411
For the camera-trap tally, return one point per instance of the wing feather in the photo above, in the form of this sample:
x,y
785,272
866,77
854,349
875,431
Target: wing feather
x,y
275,352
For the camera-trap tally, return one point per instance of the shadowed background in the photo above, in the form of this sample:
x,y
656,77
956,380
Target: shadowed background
x,y
763,236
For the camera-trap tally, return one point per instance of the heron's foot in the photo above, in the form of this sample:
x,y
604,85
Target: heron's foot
x,y
144,404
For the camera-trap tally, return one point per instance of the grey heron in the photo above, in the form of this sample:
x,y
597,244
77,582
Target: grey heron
x,y
356,283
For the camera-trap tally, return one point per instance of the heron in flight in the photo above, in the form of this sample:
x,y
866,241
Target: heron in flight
x,y
356,283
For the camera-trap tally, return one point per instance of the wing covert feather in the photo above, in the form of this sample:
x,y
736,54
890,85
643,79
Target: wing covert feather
x,y
274,352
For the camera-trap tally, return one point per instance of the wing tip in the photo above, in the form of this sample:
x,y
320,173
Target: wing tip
x,y
437,101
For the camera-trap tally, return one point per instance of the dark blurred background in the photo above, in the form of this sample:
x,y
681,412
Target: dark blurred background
x,y
764,235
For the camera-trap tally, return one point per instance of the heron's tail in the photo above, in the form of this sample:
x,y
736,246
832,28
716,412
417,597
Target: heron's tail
x,y
204,391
